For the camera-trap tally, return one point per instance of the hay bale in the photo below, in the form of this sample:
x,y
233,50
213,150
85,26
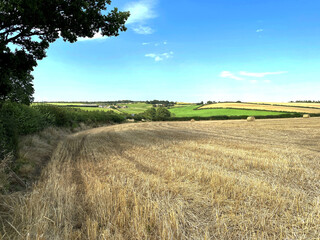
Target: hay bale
x,y
192,120
251,119
306,116
130,120
143,120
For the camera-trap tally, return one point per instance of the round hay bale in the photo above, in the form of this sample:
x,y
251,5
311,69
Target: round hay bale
x,y
192,120
143,120
306,116
251,119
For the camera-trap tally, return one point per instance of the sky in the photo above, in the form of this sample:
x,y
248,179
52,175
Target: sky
x,y
192,51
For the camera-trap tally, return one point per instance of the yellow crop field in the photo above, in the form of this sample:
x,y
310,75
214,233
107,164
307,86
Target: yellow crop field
x,y
176,180
261,107
298,104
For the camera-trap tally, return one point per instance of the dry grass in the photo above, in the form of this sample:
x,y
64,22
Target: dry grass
x,y
177,180
261,107
4,172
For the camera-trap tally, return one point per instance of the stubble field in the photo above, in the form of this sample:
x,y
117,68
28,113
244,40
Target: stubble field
x,y
181,180
265,107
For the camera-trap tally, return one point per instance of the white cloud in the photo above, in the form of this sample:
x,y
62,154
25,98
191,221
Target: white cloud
x,y
145,43
260,75
145,30
267,81
165,43
141,11
227,74
259,30
253,81
95,37
159,57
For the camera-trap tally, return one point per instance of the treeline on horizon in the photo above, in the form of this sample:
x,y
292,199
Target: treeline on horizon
x,y
163,102
305,101
112,102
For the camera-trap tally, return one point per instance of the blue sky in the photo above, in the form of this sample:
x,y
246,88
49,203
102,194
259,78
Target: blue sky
x,y
222,50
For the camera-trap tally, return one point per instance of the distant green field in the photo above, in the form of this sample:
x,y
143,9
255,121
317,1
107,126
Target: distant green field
x,y
97,109
134,108
178,110
189,111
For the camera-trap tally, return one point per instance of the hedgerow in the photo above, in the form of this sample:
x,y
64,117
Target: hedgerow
x,y
19,119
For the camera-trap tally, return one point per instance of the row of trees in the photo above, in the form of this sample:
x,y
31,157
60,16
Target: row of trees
x,y
164,103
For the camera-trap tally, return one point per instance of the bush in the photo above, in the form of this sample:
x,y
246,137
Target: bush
x,y
162,114
150,114
17,119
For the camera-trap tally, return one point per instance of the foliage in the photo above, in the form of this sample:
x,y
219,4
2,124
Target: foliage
x,y
30,26
164,103
150,114
162,113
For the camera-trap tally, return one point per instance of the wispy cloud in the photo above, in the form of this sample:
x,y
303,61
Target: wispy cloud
x,y
260,75
145,30
253,81
227,74
95,37
140,13
156,44
159,57
259,30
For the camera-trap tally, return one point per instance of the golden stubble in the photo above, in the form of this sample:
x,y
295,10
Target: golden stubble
x,y
177,180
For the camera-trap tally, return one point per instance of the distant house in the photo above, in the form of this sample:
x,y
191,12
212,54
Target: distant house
x,y
158,105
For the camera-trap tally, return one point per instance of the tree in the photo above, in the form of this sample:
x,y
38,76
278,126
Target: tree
x,y
162,113
29,26
150,114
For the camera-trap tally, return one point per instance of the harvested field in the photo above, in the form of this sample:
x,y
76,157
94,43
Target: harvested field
x,y
298,104
176,180
261,107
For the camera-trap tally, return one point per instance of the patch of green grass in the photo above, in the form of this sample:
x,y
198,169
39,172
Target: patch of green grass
x,y
97,109
185,105
189,111
134,108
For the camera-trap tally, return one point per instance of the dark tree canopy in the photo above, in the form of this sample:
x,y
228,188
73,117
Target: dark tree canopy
x,y
30,26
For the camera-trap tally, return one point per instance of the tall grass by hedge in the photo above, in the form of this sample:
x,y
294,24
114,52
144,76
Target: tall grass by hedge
x,y
18,119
